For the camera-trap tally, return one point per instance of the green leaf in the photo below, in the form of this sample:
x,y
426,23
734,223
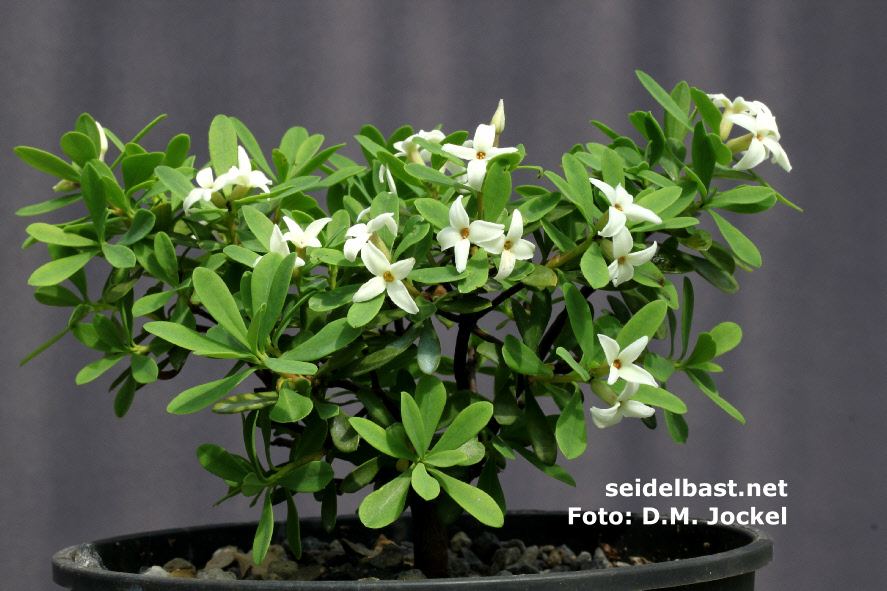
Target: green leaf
x,y
431,396
710,113
555,471
686,315
384,506
478,271
57,271
704,382
430,175
612,168
94,197
245,402
293,534
361,313
434,212
434,275
705,349
184,337
581,321
742,246
496,189
78,147
662,398
426,486
219,462
199,397
536,208
252,146
142,224
372,434
175,181
119,256
97,368
47,206
165,252
664,99
465,426
291,406
568,358
594,267
413,423
222,144
571,431
144,369
475,501
262,540
151,303
521,358
645,322
540,277
446,459
742,195
308,478
580,188
331,338
428,354
219,302
726,335
703,155
344,437
542,438
659,367
56,295
677,427
290,366
361,476
718,277
48,163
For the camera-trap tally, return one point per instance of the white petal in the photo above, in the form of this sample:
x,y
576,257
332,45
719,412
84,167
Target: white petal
x,y
610,347
642,256
623,197
374,260
615,223
300,262
484,137
481,231
477,171
623,273
628,392
243,162
353,246
295,230
277,242
494,246
516,229
779,156
633,351
460,151
193,197
606,417
523,250
637,410
745,121
367,210
461,254
205,178
448,237
370,289
613,270
493,152
632,373
314,229
458,216
358,230
506,265
614,375
608,191
636,213
622,243
383,220
399,294
258,180
754,156
401,269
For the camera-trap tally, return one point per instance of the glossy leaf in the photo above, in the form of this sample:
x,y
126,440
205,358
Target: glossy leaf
x,y
742,246
521,359
571,430
427,487
222,144
662,398
262,540
428,353
541,435
57,271
361,313
475,501
48,163
467,424
308,478
199,397
245,402
291,406
594,267
664,99
219,462
726,336
384,506
192,340
413,423
219,302
677,427
644,323
331,338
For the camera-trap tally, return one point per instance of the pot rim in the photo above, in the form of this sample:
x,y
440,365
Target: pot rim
x,y
755,554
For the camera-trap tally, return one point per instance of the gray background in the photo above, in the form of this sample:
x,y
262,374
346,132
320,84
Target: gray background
x,y
809,373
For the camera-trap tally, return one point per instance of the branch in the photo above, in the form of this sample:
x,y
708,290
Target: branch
x,y
460,355
499,299
557,326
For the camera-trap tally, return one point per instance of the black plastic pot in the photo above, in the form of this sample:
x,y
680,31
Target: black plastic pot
x,y
699,557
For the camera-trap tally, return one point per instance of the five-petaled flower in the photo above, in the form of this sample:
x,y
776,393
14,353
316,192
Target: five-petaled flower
x,y
360,233
278,244
622,362
479,154
624,261
624,407
388,277
764,138
622,207
462,233
511,246
308,236
413,151
206,187
244,175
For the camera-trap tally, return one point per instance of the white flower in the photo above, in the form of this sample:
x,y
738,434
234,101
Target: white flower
x,y
207,186
621,207
412,150
278,244
764,138
462,233
624,261
244,175
308,236
385,175
388,277
624,407
479,154
498,121
103,141
737,105
359,234
511,246
622,362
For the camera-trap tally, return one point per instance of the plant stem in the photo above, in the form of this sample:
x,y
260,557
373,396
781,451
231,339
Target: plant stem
x,y
557,326
429,538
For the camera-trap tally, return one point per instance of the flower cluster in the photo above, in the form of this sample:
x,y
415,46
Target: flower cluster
x,y
241,175
622,365
761,142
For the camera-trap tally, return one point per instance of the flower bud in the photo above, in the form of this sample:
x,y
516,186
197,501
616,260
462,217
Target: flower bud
x,y
103,141
64,185
498,120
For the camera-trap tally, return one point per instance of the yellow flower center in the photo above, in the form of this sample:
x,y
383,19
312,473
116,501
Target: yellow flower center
x,y
507,245
621,261
388,276
464,232
617,206
617,364
481,155
759,137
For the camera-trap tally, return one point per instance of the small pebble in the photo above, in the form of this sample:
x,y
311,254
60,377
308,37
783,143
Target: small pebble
x,y
411,575
86,556
216,574
155,571
179,564
459,541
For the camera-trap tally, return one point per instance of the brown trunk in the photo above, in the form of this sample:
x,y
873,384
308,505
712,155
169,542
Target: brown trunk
x,y
429,539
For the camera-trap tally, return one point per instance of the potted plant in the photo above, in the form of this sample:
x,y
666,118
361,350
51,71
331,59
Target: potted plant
x,y
327,323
